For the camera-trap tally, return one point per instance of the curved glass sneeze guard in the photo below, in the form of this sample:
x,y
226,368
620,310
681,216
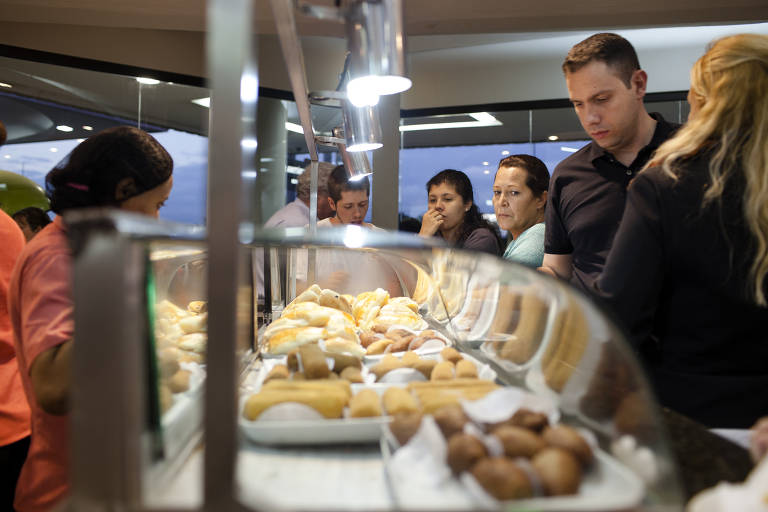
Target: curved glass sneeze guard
x,y
362,335
532,332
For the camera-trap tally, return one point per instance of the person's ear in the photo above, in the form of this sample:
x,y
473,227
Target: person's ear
x,y
639,81
541,201
331,203
125,188
467,206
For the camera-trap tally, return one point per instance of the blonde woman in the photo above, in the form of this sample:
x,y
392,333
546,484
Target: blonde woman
x,y
687,271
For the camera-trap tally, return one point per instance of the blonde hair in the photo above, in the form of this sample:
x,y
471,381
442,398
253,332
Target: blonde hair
x,y
731,82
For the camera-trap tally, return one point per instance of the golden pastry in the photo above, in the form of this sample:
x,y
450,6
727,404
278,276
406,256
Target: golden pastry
x,y
292,360
197,307
352,374
344,346
450,419
519,442
279,371
378,347
195,323
341,361
321,386
442,371
451,354
425,366
410,359
329,404
466,370
404,426
365,404
386,365
313,362
180,381
367,338
398,400
569,439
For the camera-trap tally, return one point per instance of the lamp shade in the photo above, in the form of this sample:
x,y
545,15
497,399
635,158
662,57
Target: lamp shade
x,y
377,56
362,131
355,163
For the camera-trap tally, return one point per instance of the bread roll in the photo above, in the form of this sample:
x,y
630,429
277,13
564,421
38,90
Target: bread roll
x,y
466,370
313,362
425,366
519,442
442,371
197,306
386,365
331,299
329,404
292,360
398,400
341,361
352,374
464,451
404,426
502,478
410,359
279,371
180,381
344,346
569,439
365,404
450,419
194,342
321,386
378,347
195,323
451,354
367,338
558,470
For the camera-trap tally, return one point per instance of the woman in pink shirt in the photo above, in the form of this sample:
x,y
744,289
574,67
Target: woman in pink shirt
x,y
120,167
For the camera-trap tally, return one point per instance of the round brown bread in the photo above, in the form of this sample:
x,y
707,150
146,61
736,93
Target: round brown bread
x,y
450,419
569,439
405,425
558,470
502,478
519,442
464,451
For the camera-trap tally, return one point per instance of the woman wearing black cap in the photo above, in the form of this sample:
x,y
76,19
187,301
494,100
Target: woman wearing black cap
x,y
123,168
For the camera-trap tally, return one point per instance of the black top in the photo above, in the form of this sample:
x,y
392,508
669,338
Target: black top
x,y
586,199
480,239
677,276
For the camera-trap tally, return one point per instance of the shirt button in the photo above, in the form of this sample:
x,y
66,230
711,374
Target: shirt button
x,y
629,172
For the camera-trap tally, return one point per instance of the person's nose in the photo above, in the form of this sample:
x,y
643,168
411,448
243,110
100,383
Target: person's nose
x,y
592,115
439,206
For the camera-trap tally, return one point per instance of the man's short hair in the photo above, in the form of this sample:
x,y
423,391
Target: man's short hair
x,y
323,171
612,49
338,182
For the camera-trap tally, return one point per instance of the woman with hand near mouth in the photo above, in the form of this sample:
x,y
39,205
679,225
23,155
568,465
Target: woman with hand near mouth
x,y
453,214
519,197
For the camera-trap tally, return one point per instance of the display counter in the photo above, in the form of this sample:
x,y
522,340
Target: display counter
x,y
396,374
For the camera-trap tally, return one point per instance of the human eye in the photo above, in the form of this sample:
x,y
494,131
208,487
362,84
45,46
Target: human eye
x,y
496,193
160,204
601,99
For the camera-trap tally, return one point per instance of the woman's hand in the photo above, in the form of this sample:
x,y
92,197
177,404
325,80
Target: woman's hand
x,y
431,222
758,445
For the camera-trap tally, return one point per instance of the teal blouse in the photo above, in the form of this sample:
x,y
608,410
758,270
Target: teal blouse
x,y
528,248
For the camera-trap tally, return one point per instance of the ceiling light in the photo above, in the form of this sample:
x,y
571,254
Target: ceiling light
x,y
505,152
294,181
567,149
375,41
203,102
54,150
481,119
147,81
80,140
360,95
87,128
249,87
3,84
64,128
362,131
249,143
293,127
553,137
486,171
485,163
249,174
7,156
355,162
488,202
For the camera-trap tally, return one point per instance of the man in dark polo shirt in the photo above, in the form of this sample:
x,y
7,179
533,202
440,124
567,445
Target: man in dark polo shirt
x,y
587,191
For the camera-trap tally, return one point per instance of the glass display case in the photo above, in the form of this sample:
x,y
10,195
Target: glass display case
x,y
383,372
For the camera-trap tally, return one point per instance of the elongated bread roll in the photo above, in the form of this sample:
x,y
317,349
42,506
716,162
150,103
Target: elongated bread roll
x,y
313,362
279,371
386,365
451,354
425,366
378,347
365,404
329,404
397,400
410,359
329,386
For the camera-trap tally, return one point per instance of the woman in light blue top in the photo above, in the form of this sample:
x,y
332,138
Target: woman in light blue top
x,y
519,196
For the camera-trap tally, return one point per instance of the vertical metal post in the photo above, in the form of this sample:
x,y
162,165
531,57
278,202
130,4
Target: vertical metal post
x,y
232,142
108,374
386,164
